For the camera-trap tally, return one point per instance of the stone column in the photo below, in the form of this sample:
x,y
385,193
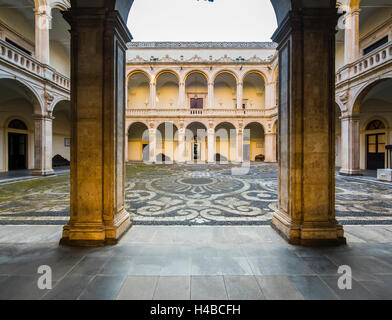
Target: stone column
x,y
43,21
211,145
181,145
181,95
43,145
239,95
240,145
270,147
98,47
211,95
351,37
153,94
152,145
269,95
306,207
350,146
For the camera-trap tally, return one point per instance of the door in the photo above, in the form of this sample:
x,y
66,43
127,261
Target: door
x,y
17,151
375,147
196,149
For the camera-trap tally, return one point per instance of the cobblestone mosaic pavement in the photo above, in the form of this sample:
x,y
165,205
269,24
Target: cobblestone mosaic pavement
x,y
193,195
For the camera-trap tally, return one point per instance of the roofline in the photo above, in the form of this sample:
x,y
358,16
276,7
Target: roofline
x,y
201,45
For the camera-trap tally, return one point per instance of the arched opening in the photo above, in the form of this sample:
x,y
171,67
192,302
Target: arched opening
x,y
18,104
253,91
61,134
254,142
225,143
138,90
225,91
196,148
166,143
167,90
196,90
138,142
374,103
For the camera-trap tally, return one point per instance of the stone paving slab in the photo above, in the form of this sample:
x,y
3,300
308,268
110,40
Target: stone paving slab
x,y
143,266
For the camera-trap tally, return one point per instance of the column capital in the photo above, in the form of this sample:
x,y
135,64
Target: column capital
x,y
47,116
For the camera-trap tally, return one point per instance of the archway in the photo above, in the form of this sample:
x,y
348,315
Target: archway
x,y
225,143
17,145
374,103
254,142
138,90
61,134
225,91
167,90
138,142
19,103
196,146
253,91
196,90
338,136
166,143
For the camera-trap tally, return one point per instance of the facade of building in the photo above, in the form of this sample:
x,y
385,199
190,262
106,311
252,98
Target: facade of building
x,y
201,101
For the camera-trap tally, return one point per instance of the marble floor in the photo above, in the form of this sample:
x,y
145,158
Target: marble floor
x,y
193,194
194,262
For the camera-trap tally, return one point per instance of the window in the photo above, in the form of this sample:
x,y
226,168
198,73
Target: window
x,y
17,46
67,142
375,125
196,103
375,45
17,124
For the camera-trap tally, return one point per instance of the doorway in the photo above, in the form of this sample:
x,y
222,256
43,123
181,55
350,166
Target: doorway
x,y
375,151
17,147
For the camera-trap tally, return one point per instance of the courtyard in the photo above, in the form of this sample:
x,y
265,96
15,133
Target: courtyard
x,y
192,194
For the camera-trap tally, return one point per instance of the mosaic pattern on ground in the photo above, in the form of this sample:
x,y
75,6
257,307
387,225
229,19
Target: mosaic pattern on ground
x,y
193,195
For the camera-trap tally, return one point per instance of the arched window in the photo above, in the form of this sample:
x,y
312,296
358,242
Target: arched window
x,y
17,124
375,125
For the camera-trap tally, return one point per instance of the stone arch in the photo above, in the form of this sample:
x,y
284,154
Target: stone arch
x,y
254,141
134,71
364,90
261,73
373,118
196,145
219,72
197,71
225,136
36,98
254,89
56,101
166,71
141,88
137,144
59,4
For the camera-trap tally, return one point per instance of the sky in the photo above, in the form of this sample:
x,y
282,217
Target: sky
x,y
201,20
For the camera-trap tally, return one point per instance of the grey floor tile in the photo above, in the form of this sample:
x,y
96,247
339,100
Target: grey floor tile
x,y
321,265
208,288
381,287
21,288
235,266
243,288
206,266
138,288
176,266
116,266
278,288
90,265
147,266
173,288
69,288
103,287
312,288
279,265
357,291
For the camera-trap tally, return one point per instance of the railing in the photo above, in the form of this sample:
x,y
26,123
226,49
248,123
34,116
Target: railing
x,y
367,63
25,62
186,112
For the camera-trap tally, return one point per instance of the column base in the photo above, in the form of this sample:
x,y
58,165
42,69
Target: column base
x,y
312,234
350,172
96,234
38,172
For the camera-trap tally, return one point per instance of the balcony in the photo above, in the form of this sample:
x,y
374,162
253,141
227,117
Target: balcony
x,y
27,64
366,64
197,113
